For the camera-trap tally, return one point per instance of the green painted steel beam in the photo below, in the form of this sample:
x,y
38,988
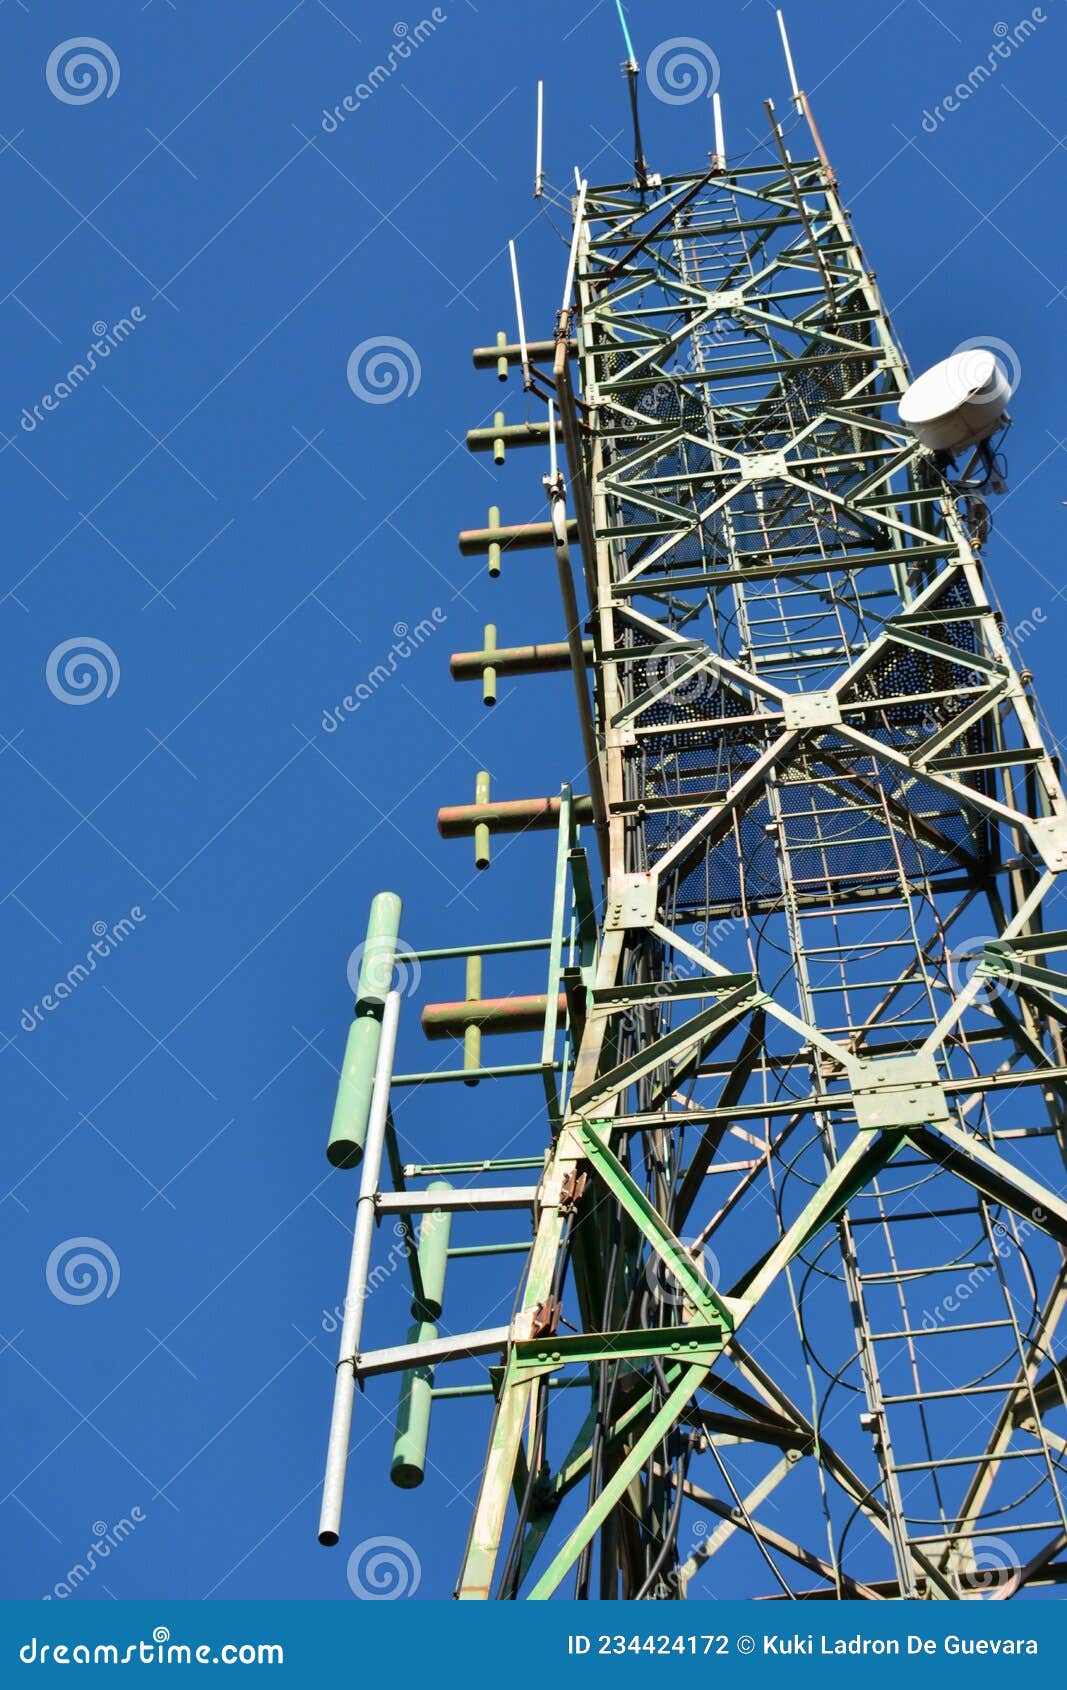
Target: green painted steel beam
x,y
676,1258
689,1344
500,947
616,1487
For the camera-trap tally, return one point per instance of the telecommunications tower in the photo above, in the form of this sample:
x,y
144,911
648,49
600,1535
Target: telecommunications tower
x,y
787,1238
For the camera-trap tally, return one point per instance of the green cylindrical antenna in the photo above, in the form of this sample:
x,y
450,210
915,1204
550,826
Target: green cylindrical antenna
x,y
408,1467
434,1234
352,1108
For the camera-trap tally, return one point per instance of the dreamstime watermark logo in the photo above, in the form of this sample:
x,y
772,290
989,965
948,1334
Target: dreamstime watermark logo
x,y
970,368
712,933
82,69
972,957
407,640
679,677
81,670
682,70
667,397
380,1274
105,1539
660,992
1029,625
385,957
108,336
673,1583
383,1569
1005,1243
406,40
405,1245
939,712
1007,41
81,1270
383,369
649,403
155,1651
989,1562
106,940
663,1273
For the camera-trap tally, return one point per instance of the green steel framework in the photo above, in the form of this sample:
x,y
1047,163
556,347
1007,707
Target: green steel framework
x,y
797,1230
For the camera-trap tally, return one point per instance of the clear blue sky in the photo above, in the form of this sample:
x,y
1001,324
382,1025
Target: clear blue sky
x,y
216,506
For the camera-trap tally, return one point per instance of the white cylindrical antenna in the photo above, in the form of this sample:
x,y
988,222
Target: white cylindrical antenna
x,y
553,465
526,379
344,1390
539,173
572,262
720,138
793,83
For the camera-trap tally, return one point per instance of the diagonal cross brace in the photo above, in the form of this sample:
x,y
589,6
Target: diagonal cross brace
x,y
987,1171
711,1306
668,1047
619,1483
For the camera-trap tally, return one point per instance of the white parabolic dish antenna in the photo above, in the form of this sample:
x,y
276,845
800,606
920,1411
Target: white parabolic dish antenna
x,y
959,402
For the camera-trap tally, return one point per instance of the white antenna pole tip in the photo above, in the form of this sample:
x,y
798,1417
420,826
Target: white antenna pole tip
x,y
790,67
719,156
539,171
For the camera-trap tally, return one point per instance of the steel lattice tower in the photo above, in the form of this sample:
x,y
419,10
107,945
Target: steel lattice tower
x,y
797,1234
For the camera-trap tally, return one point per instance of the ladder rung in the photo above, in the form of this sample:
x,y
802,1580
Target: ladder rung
x,y
847,951
970,1460
936,1331
970,1391
463,1197
918,1215
458,1346
983,1531
901,1276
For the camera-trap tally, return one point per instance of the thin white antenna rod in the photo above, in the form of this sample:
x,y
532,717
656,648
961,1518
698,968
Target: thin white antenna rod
x,y
344,1386
526,377
539,174
720,139
553,465
579,214
793,83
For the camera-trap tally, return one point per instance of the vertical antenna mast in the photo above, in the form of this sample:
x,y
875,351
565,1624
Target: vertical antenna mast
x,y
630,54
539,173
801,101
572,259
789,62
633,70
718,157
527,379
333,1489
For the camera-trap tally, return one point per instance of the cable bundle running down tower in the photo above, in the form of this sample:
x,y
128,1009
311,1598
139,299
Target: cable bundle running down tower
x,y
788,1314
